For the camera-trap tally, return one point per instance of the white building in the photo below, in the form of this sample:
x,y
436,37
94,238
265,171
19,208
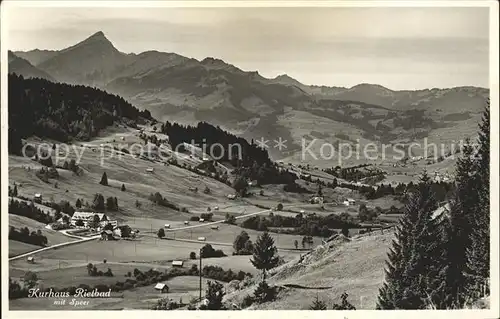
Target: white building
x,y
88,217
161,287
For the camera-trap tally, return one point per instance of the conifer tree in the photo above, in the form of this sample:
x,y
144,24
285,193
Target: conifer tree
x,y
317,304
478,254
104,179
123,187
78,203
264,254
424,271
391,293
458,228
415,261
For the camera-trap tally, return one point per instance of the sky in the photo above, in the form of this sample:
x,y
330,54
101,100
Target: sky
x,y
399,48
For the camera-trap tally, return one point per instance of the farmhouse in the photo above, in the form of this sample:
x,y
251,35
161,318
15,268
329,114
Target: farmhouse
x,y
149,170
186,222
38,198
177,263
117,232
201,220
231,196
215,227
201,239
167,225
88,217
163,288
31,260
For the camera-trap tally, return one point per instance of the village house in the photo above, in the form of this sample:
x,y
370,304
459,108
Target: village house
x,y
38,198
161,287
177,263
88,217
117,232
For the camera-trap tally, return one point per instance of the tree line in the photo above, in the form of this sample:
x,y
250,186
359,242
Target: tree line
x,y
62,111
24,235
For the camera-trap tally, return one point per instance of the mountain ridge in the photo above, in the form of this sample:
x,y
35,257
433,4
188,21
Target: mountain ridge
x,y
174,87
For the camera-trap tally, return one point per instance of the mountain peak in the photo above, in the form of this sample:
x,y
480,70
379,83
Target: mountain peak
x,y
97,39
98,34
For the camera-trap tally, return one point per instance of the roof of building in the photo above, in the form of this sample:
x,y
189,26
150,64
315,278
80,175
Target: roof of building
x,y
160,286
87,215
177,263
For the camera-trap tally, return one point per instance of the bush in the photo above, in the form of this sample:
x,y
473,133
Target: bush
x,y
265,293
208,251
165,304
158,199
194,218
193,271
344,305
207,216
217,273
192,255
214,294
247,301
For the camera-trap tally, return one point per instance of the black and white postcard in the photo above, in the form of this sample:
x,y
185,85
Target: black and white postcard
x,y
166,155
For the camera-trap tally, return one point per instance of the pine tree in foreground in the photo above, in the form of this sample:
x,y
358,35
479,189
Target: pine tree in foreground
x,y
265,254
413,261
425,270
317,304
458,229
391,293
478,254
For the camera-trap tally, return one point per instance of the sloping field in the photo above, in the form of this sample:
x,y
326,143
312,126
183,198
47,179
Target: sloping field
x,y
354,266
18,248
171,181
53,237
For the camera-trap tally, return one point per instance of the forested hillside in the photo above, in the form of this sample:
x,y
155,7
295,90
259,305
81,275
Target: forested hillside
x,y
63,112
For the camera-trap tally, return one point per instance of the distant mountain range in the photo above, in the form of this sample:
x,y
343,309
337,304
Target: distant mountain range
x,y
186,90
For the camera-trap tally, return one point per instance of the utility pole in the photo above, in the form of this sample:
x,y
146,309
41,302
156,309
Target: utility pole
x,y
200,274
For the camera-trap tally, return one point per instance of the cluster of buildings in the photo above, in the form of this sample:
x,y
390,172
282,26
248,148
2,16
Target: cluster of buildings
x,y
87,219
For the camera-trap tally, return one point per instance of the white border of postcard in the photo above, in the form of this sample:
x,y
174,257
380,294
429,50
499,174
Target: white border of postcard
x,y
493,312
